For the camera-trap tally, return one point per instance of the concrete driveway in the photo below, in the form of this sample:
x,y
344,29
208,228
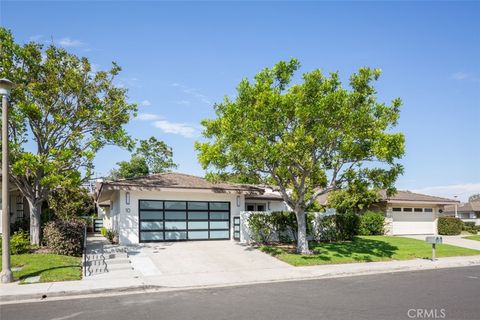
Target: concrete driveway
x,y
204,259
458,241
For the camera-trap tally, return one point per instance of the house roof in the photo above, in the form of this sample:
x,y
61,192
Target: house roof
x,y
466,207
173,180
412,196
402,196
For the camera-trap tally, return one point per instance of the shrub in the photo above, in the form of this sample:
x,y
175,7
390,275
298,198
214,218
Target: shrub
x,y
347,225
261,227
19,242
103,231
470,227
64,236
326,229
371,223
449,226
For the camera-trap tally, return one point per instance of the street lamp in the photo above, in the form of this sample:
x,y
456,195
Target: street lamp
x,y
6,275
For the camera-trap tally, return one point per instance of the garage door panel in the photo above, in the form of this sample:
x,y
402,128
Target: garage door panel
x,y
406,223
167,220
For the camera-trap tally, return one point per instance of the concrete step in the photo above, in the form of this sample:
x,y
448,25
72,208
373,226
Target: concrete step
x,y
106,256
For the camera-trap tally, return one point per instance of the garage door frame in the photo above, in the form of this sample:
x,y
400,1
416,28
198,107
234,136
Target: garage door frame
x,y
189,218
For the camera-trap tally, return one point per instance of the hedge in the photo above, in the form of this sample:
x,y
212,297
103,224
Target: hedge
x,y
372,223
449,226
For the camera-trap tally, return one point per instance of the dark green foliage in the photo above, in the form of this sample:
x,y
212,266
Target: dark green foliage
x,y
347,225
150,157
372,223
20,224
470,227
64,237
19,242
449,226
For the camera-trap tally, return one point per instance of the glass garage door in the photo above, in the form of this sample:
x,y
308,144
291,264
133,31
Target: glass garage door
x,y
161,220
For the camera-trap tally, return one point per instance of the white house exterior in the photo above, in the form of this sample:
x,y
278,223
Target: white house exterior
x,y
175,206
409,213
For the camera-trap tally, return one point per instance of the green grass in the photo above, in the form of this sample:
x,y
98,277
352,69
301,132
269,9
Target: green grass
x,y
473,238
50,267
366,249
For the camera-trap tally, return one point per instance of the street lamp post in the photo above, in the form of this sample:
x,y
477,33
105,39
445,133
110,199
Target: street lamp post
x,y
6,275
456,207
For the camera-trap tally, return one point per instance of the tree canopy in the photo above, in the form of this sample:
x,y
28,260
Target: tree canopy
x,y
309,138
62,113
474,197
150,157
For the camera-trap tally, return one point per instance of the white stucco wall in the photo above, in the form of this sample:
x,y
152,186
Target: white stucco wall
x,y
128,214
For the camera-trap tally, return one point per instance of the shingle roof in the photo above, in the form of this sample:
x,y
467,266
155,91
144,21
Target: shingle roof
x,y
401,196
466,207
177,181
412,196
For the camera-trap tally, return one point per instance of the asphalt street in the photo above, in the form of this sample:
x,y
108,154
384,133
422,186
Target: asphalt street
x,y
436,294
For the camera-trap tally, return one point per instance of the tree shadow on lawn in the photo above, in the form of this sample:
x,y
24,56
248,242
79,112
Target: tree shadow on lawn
x,y
359,249
39,272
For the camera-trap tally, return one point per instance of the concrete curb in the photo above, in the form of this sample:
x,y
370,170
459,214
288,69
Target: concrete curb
x,y
136,289
60,294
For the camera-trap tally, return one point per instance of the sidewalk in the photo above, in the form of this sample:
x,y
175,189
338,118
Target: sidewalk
x,y
14,292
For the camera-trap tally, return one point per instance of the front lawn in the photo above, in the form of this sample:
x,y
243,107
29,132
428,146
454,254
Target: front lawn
x,y
365,249
50,267
473,238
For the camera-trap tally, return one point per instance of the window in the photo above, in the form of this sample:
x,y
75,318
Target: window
x,y
428,210
260,207
250,207
397,209
418,210
407,209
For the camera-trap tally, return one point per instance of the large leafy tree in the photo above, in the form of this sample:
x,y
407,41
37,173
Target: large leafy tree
x,y
150,157
62,113
474,197
309,138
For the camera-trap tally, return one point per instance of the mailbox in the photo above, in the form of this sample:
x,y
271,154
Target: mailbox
x,y
434,240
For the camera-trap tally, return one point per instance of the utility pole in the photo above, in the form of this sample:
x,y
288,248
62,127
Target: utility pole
x,y
6,275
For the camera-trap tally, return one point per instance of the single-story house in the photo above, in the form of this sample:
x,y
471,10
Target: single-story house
x,y
409,213
176,206
18,205
467,212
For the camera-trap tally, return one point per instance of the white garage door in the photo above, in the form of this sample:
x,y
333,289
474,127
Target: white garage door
x,y
413,223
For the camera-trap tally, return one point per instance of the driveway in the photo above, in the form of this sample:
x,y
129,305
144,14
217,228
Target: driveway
x,y
206,261
458,241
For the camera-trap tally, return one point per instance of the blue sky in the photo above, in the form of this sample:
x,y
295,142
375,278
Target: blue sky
x,y
180,58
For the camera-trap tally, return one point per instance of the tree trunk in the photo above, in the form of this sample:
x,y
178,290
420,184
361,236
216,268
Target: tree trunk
x,y
302,242
35,213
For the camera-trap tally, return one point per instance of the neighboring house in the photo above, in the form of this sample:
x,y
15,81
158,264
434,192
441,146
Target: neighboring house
x,y
409,213
18,205
176,206
468,212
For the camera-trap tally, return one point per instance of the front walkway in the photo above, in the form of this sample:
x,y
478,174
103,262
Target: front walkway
x,y
458,241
